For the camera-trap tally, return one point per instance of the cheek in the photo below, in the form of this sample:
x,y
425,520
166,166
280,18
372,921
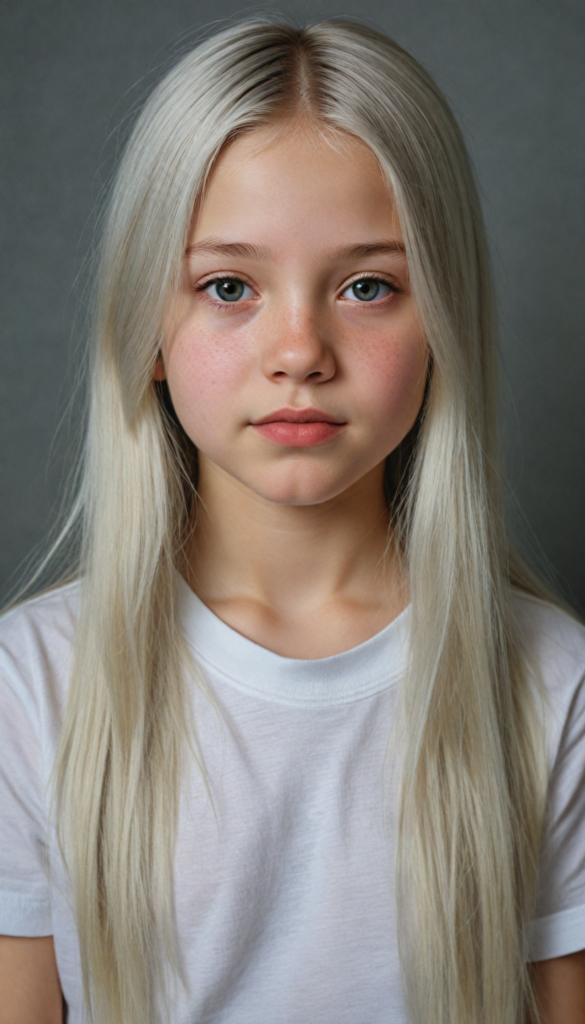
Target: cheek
x,y
204,374
392,369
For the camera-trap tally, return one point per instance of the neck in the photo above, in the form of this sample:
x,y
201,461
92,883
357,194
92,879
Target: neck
x,y
293,560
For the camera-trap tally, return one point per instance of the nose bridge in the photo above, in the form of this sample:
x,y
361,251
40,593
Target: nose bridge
x,y
299,346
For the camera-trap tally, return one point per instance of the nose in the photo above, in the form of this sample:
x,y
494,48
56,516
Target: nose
x,y
299,349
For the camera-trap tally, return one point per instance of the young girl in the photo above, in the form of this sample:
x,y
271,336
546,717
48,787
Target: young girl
x,y
300,741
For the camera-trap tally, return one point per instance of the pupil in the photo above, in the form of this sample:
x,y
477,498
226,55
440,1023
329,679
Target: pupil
x,y
229,289
367,289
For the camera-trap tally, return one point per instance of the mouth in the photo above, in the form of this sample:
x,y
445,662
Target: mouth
x,y
298,416
298,428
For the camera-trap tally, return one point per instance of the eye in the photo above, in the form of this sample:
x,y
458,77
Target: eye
x,y
228,289
366,289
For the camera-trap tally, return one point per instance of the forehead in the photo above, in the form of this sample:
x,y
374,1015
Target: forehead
x,y
295,186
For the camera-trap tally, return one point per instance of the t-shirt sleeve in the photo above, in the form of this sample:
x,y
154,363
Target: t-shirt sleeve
x,y
25,904
559,925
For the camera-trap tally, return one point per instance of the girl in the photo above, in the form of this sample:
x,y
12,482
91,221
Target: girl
x,y
300,740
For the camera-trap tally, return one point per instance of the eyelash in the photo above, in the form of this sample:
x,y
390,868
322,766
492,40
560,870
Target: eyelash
x,y
394,289
224,306
203,285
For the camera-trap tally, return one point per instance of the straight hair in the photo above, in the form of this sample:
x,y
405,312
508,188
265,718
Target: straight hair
x,y
469,722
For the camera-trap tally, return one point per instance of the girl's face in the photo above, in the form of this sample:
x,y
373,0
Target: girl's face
x,y
295,305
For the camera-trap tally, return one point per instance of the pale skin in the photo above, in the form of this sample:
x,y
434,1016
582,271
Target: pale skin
x,y
290,546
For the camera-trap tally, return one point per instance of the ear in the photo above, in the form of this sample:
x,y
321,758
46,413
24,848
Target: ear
x,y
159,370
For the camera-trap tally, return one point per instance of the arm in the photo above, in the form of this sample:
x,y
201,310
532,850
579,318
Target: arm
x,y
30,992
560,988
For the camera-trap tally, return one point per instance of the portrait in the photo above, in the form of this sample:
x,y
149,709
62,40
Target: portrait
x,y
292,663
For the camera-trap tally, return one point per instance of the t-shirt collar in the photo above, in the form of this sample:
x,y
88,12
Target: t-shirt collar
x,y
360,672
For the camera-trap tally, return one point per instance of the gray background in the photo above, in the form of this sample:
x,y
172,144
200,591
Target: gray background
x,y
73,71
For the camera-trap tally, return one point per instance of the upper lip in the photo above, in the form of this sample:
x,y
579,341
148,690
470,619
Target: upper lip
x,y
298,416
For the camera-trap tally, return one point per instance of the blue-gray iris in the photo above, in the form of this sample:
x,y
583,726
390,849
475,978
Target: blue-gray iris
x,y
366,289
229,289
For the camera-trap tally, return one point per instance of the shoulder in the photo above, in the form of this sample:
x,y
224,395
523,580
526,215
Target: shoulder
x,y
42,622
553,645
551,637
36,641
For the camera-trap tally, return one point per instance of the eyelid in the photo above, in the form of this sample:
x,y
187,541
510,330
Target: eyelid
x,y
383,279
372,275
204,282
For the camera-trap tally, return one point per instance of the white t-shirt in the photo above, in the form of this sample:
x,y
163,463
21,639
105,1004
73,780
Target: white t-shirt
x,y
285,908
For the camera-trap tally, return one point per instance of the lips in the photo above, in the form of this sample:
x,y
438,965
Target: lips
x,y
298,416
298,428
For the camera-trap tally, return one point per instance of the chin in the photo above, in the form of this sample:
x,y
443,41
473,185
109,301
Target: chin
x,y
316,499
298,493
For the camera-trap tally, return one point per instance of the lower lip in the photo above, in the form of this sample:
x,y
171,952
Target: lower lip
x,y
298,435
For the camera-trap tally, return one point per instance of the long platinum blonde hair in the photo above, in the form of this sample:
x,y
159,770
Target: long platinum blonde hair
x,y
473,768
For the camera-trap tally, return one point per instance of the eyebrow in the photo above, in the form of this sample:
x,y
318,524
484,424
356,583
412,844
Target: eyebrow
x,y
215,247
383,247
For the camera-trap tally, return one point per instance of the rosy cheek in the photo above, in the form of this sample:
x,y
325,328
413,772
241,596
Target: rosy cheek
x,y
393,369
204,374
